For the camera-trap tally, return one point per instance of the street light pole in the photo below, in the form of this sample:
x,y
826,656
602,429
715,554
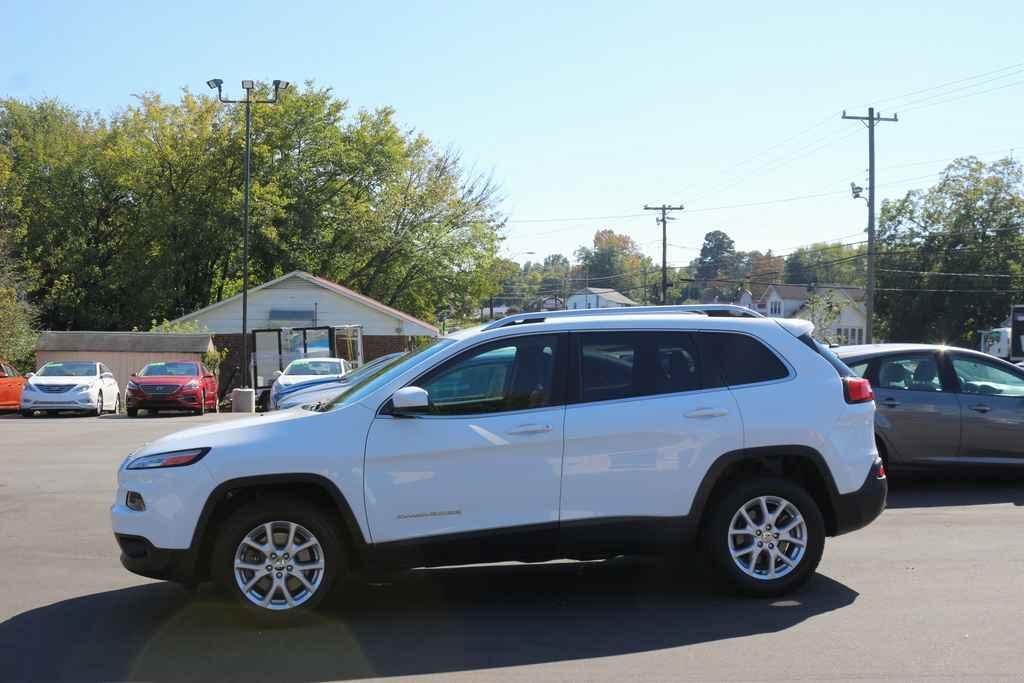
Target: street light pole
x,y
248,86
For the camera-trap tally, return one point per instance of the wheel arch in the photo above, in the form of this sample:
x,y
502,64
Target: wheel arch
x,y
230,494
802,464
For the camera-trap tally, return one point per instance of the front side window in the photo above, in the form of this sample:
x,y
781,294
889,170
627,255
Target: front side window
x,y
909,373
745,360
68,369
986,379
512,374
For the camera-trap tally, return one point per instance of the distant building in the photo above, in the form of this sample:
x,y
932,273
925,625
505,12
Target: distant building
x,y
598,297
789,301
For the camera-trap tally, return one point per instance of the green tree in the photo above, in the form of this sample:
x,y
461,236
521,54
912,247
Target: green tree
x,y
970,222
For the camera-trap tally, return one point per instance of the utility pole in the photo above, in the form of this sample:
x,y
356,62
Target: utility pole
x,y
871,119
665,218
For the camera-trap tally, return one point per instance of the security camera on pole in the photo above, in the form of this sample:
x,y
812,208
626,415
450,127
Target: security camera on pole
x,y
244,399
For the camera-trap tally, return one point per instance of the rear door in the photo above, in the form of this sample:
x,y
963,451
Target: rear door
x,y
917,413
643,424
991,395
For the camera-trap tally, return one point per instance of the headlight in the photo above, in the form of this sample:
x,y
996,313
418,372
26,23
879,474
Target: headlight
x,y
132,386
194,384
169,459
29,387
83,387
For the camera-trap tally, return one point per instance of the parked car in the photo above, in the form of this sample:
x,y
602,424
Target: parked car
x,y
317,390
302,370
172,385
579,434
78,385
11,383
941,405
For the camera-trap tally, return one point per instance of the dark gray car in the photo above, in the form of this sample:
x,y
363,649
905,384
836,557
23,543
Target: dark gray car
x,y
942,405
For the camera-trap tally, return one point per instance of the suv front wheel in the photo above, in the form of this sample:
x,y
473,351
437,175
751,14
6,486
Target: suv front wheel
x,y
281,555
766,536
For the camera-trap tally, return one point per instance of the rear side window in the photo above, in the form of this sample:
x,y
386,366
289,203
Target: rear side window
x,y
745,360
618,365
826,353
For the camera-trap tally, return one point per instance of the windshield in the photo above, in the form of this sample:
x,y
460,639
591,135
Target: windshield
x,y
314,367
384,373
68,369
169,369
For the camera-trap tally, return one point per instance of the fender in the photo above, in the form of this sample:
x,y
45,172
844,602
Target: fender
x,y
770,457
220,494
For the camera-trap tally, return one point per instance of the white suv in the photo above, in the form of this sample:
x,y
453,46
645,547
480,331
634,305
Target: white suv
x,y
562,435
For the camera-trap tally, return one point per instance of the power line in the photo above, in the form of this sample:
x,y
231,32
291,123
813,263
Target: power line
x,y
963,97
943,85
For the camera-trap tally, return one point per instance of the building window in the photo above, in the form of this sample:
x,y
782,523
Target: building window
x,y
775,308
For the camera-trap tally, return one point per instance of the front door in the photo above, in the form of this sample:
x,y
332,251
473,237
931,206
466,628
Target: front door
x,y
484,460
991,398
643,424
11,383
916,412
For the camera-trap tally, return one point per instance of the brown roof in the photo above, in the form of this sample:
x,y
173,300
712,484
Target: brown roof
x,y
151,342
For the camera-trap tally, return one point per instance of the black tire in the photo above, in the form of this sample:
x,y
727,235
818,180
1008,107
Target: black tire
x,y
99,406
201,410
717,536
117,405
255,513
133,412
28,413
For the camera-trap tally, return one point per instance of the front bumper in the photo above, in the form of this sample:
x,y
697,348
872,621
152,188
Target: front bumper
x,y
859,508
60,401
179,400
140,556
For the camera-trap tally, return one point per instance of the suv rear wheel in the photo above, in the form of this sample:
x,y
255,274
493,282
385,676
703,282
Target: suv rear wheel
x,y
766,536
278,555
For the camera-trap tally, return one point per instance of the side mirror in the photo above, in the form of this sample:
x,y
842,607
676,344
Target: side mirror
x,y
29,375
410,398
208,375
107,375
277,373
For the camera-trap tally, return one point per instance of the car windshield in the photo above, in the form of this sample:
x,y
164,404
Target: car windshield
x,y
384,373
68,369
313,367
169,369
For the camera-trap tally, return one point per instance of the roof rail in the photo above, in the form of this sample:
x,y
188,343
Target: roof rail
x,y
713,310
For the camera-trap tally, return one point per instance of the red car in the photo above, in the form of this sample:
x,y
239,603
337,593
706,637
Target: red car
x,y
172,385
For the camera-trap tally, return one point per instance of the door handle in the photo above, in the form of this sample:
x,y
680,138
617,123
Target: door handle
x,y
890,402
707,412
980,408
530,429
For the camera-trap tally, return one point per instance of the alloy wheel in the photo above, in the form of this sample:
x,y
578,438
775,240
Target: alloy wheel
x,y
767,537
279,565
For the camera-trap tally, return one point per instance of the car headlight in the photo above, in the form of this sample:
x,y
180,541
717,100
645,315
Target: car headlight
x,y
83,387
30,387
132,386
194,384
169,459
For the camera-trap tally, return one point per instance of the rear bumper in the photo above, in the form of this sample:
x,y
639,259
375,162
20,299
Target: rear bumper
x,y
141,557
859,508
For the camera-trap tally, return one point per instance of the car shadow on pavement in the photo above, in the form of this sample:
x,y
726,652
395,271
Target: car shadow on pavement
x,y
955,487
420,622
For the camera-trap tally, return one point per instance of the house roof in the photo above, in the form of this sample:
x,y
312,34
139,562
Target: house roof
x,y
801,292
331,287
608,294
150,342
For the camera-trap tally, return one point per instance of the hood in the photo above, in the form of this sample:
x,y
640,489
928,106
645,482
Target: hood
x,y
61,380
288,380
231,432
164,379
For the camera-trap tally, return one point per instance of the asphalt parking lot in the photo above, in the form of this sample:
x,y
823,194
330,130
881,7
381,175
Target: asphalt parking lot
x,y
933,590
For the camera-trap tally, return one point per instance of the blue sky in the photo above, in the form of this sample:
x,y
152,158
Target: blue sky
x,y
591,109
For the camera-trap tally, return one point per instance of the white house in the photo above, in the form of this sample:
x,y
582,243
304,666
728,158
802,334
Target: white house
x,y
789,301
598,297
300,299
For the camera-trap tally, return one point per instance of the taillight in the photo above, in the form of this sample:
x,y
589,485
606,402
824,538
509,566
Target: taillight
x,y
857,390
